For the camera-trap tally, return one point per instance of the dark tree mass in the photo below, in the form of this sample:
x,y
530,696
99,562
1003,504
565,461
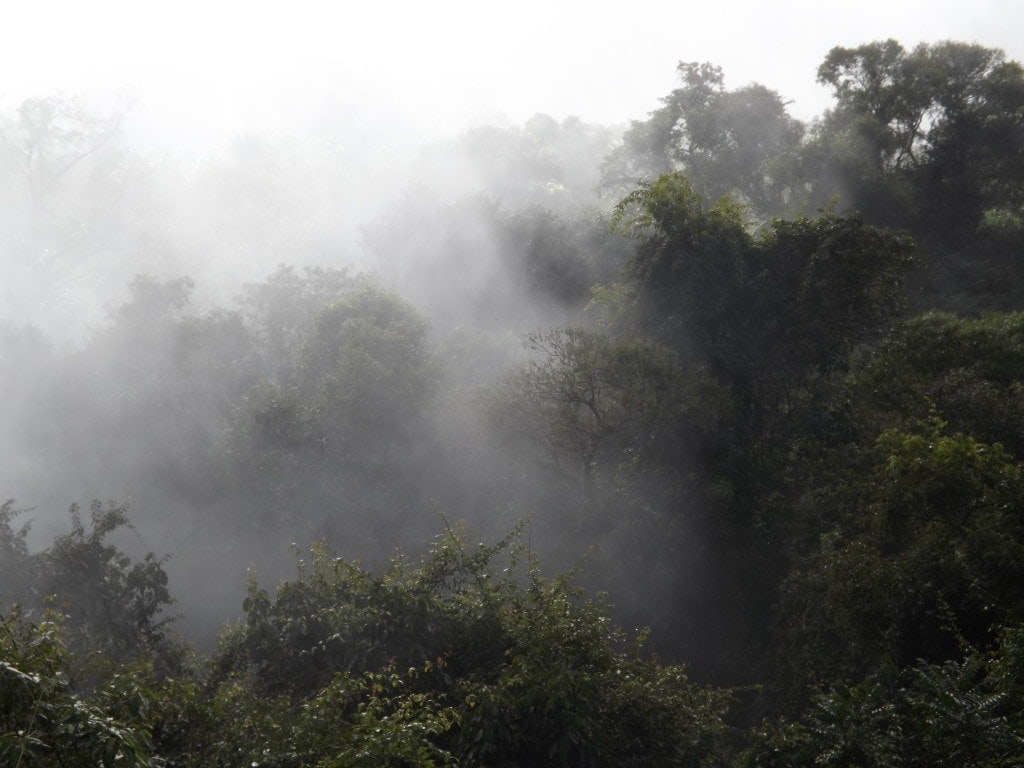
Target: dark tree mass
x,y
697,443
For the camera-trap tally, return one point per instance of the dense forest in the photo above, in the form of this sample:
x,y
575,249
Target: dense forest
x,y
693,443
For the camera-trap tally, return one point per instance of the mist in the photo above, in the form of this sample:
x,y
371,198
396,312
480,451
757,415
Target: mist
x,y
266,295
551,385
162,309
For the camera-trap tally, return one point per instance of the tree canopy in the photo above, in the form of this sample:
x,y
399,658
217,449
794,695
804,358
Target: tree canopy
x,y
764,398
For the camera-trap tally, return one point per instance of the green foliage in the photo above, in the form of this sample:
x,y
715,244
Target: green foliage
x,y
502,668
929,140
928,563
570,693
806,289
112,604
42,722
364,365
624,432
601,407
771,318
688,261
734,143
965,372
281,309
930,113
926,140
559,257
735,434
365,720
968,372
960,713
340,618
331,421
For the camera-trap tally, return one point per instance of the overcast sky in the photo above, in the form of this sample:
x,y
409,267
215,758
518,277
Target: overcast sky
x,y
436,66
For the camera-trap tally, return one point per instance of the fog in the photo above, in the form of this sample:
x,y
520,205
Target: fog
x,y
163,344
186,189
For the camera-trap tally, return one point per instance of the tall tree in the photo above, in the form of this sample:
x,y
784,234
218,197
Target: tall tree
x,y
772,317
931,140
728,142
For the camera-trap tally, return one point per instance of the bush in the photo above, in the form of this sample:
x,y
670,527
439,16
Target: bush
x,y
42,722
451,659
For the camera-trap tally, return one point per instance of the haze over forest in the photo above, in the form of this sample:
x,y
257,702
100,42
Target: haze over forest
x,y
296,312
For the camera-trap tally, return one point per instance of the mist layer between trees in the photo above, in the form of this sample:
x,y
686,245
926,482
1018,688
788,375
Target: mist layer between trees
x,y
759,380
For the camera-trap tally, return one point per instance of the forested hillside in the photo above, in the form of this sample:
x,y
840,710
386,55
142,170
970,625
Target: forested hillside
x,y
697,443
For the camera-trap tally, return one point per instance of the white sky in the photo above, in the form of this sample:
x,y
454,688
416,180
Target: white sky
x,y
438,65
